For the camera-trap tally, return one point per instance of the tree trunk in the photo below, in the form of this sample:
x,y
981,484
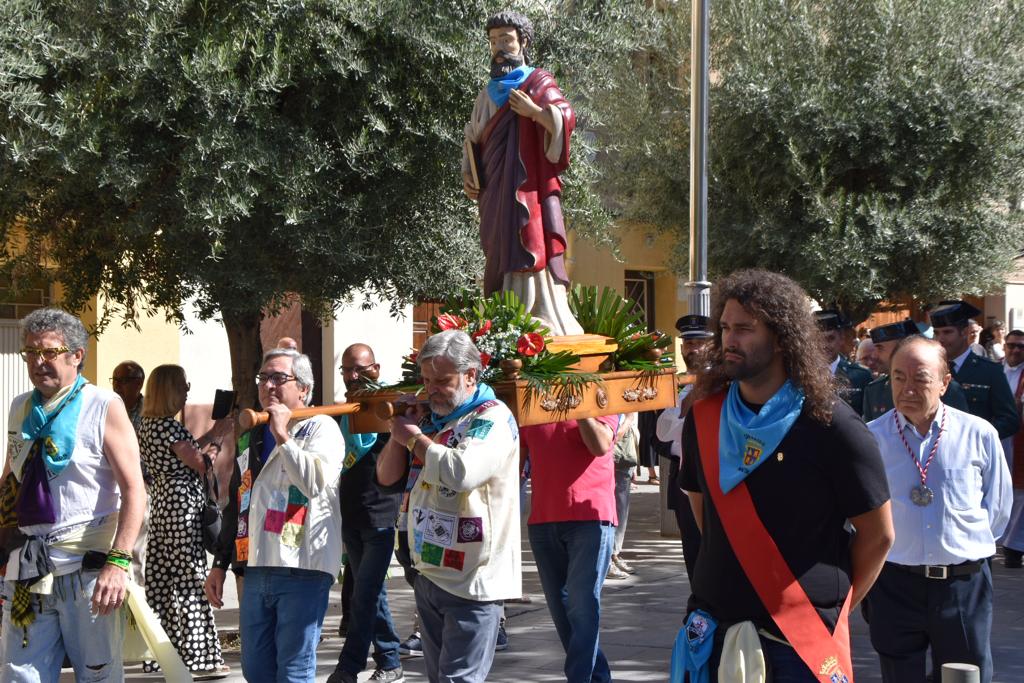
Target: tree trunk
x,y
246,349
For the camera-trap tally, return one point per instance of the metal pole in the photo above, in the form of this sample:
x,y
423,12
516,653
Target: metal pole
x,y
698,286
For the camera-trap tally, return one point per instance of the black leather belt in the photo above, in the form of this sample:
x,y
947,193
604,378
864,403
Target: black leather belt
x,y
940,571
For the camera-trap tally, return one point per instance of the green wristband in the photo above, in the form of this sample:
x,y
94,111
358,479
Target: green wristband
x,y
121,562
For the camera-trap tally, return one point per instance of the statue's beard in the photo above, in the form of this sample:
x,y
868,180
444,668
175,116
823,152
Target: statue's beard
x,y
511,63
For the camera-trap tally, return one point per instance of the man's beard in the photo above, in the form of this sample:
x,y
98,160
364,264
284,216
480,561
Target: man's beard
x,y
444,407
511,63
752,364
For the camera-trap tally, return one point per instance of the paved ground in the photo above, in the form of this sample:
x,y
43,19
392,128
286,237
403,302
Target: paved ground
x,y
640,620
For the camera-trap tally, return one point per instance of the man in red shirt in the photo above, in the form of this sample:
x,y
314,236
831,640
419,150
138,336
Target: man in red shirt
x,y
572,531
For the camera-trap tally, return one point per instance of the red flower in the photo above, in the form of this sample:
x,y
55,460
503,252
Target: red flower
x,y
482,330
530,344
447,321
485,359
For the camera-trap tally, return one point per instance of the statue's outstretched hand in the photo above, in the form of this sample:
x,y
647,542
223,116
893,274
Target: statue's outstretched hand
x,y
522,104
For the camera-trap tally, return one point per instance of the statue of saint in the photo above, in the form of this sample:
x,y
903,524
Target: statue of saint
x,y
517,143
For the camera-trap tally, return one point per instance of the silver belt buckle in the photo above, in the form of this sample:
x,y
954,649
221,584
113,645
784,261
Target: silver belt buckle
x,y
932,571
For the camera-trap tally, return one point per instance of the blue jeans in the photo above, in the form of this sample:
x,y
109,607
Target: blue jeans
x,y
572,560
280,617
369,555
64,624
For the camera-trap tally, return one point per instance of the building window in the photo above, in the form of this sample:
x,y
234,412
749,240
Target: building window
x,y
17,302
640,288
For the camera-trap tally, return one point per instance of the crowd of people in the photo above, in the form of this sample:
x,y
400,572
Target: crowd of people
x,y
804,484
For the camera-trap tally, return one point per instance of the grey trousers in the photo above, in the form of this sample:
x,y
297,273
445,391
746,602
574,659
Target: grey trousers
x,y
623,480
458,635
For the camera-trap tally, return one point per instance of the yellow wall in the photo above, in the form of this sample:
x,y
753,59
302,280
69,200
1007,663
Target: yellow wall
x,y
155,342
641,249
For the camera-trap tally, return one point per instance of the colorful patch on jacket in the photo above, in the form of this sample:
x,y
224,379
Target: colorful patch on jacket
x,y
432,554
242,535
439,528
479,428
471,530
454,559
286,515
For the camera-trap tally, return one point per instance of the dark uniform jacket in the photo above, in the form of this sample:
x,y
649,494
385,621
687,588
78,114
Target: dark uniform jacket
x,y
852,379
878,398
988,394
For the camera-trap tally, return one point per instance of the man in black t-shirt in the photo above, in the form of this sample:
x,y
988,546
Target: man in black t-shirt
x,y
368,528
803,458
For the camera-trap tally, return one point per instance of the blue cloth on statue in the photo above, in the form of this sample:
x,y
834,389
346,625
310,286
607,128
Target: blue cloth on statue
x,y
499,88
692,649
746,438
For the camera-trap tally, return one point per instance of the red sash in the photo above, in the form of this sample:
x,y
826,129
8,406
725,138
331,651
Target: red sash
x,y
826,654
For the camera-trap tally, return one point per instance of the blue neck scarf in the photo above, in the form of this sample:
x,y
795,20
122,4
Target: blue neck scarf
x,y
58,428
356,445
499,88
482,394
746,438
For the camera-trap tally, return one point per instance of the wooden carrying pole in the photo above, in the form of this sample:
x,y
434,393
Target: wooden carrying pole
x,y
248,418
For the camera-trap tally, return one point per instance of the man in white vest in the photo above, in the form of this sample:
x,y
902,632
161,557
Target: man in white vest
x,y
71,504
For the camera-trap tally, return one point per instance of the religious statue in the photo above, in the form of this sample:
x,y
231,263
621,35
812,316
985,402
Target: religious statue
x,y
516,145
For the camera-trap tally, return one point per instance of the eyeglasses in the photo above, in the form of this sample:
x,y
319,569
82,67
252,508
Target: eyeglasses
x,y
1013,345
274,379
28,353
361,369
122,380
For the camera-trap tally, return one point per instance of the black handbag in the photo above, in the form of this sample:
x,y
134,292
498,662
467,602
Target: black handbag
x,y
211,509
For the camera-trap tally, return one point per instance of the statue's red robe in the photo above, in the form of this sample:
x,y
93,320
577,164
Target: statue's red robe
x,y
521,227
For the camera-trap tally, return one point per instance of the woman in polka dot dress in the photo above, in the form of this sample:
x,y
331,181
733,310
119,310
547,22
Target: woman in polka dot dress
x,y
175,558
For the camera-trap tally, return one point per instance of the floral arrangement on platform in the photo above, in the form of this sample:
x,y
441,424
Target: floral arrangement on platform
x,y
512,343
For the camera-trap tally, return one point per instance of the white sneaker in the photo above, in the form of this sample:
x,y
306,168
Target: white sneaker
x,y
615,573
622,564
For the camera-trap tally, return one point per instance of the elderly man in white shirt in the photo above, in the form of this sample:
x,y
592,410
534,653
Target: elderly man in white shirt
x,y
951,500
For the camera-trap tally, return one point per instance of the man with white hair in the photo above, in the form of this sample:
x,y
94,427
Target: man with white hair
x,y
282,526
71,505
462,497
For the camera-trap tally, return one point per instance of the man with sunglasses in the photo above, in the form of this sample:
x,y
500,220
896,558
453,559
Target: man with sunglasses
x,y
282,526
1013,366
71,504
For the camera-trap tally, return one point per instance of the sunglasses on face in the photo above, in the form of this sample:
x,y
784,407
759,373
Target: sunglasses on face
x,y
29,352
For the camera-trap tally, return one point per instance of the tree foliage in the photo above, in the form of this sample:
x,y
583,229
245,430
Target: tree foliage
x,y
236,152
869,149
